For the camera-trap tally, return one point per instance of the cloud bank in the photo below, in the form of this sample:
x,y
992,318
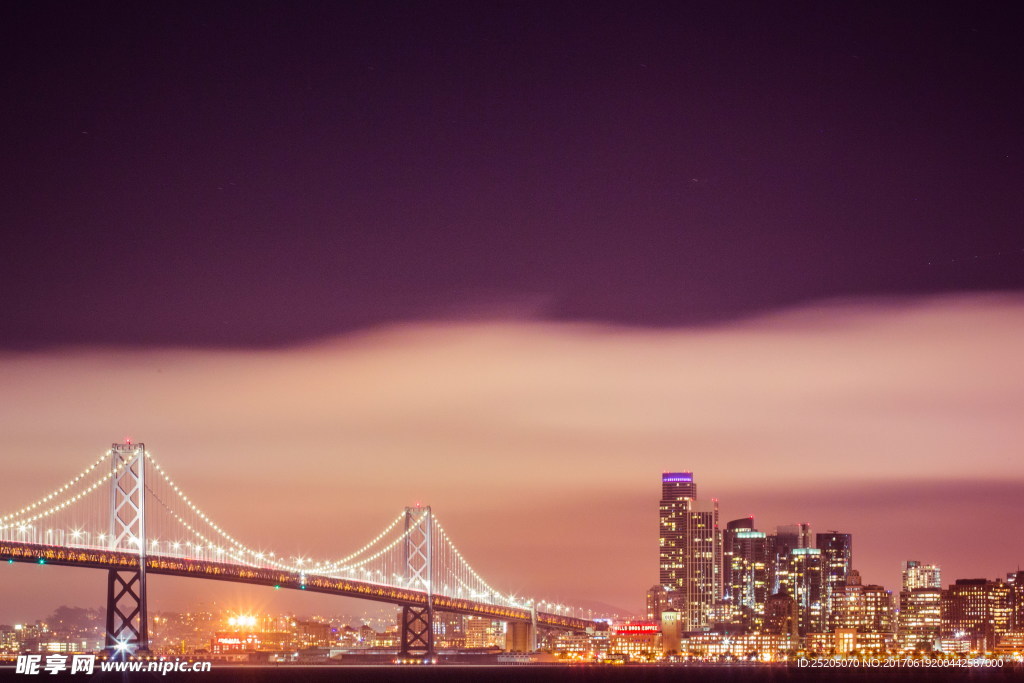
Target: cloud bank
x,y
541,445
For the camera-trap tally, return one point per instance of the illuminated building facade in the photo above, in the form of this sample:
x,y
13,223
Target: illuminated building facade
x,y
920,618
657,602
751,646
690,543
836,560
978,609
780,544
637,641
580,647
728,540
919,575
864,609
449,630
748,578
1016,582
781,615
484,633
800,575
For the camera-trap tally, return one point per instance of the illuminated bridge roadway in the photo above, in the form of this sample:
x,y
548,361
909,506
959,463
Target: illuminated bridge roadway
x,y
412,563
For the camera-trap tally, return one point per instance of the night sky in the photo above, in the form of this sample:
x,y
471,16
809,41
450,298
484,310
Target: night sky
x,y
515,260
262,174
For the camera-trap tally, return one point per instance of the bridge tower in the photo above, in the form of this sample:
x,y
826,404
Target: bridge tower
x,y
127,625
418,622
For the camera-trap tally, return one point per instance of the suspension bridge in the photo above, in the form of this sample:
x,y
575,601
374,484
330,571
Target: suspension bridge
x,y
124,514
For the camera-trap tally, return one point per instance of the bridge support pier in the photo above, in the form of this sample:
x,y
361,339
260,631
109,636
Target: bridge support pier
x,y
127,625
127,622
520,636
417,632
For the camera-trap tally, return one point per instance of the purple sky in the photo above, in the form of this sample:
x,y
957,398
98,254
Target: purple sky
x,y
779,245
206,174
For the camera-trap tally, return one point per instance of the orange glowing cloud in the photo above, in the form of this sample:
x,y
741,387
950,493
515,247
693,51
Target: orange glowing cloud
x,y
541,445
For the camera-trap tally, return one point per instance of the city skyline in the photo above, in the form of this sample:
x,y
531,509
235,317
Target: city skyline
x,y
817,602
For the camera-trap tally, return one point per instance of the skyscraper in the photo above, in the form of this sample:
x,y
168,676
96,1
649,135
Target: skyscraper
x,y
918,575
1016,582
800,576
657,602
920,618
748,578
690,550
786,538
728,540
836,560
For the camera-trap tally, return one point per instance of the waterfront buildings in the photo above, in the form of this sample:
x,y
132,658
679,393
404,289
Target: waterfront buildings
x,y
920,619
863,609
978,609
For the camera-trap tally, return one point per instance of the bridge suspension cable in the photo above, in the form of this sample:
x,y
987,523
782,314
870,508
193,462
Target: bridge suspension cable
x,y
56,492
177,527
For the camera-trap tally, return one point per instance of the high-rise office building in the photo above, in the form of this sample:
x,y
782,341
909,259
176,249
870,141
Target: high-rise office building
x,y
1016,583
978,608
690,550
728,537
920,618
919,575
749,578
657,602
800,575
786,538
864,609
836,559
794,535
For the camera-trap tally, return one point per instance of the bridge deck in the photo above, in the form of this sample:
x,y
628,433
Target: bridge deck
x,y
97,558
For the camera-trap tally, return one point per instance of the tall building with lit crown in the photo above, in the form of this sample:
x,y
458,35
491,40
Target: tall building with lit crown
x,y
800,576
836,560
977,608
920,575
920,618
690,543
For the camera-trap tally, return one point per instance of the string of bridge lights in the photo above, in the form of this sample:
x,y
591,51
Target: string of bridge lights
x,y
371,558
336,566
56,492
209,543
22,521
241,546
465,563
231,539
240,550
